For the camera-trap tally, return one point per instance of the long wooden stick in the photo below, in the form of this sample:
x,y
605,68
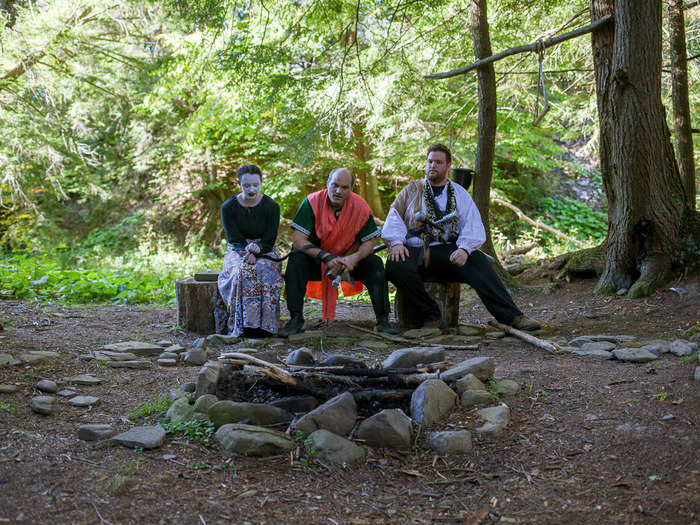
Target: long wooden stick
x,y
270,370
536,224
549,346
522,49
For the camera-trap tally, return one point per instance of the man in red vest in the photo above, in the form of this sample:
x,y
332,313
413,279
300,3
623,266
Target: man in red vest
x,y
334,232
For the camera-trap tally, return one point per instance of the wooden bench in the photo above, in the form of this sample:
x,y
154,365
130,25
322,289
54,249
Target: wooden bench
x,y
446,295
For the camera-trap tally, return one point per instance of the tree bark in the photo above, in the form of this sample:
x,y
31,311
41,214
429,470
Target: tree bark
x,y
367,180
640,175
681,110
486,142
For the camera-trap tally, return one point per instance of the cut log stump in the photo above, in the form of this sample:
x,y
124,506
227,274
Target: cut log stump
x,y
446,295
195,305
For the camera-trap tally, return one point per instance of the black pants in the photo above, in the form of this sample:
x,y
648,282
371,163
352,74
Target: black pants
x,y
369,271
408,276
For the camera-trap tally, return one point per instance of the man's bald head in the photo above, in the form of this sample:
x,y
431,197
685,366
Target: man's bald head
x,y
340,183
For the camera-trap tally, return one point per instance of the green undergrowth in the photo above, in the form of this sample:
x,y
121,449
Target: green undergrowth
x,y
159,406
199,430
144,275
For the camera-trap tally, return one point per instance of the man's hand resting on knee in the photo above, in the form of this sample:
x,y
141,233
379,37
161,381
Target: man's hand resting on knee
x,y
459,257
398,252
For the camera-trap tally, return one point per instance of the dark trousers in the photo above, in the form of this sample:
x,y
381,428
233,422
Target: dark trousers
x,y
409,275
369,271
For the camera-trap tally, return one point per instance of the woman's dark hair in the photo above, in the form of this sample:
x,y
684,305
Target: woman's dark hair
x,y
444,149
249,168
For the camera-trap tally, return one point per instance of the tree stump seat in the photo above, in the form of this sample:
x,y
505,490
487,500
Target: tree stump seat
x,y
196,300
445,294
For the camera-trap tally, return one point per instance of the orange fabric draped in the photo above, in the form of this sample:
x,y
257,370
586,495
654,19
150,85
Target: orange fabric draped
x,y
337,236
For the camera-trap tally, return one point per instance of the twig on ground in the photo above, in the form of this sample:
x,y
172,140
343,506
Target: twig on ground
x,y
549,346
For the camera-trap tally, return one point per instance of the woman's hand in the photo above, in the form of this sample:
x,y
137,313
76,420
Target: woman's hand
x,y
253,248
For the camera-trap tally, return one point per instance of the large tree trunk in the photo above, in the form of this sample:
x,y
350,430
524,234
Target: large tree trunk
x,y
641,179
486,141
681,110
367,180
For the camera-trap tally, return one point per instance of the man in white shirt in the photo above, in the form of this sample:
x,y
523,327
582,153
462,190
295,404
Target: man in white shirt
x,y
452,256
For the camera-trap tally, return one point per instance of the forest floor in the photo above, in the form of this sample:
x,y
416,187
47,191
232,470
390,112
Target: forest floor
x,y
590,441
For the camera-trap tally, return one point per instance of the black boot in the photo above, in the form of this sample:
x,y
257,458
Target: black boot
x,y
384,326
294,326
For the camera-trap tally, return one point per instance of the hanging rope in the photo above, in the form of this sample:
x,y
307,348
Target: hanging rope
x,y
539,49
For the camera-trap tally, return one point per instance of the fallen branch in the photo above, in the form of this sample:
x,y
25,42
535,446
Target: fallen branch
x,y
270,370
523,49
536,224
549,346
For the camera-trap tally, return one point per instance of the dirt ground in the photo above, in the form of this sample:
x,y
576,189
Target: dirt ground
x,y
590,441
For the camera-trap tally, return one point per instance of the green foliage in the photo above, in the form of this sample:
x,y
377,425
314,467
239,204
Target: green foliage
x,y
197,430
574,218
159,406
9,407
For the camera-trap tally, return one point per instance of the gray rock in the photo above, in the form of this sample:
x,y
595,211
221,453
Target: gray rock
x,y
470,330
190,386
568,349
168,355
208,378
220,340
695,338
46,385
496,419
8,389
300,357
194,357
135,347
164,342
451,442
408,357
580,341
8,360
205,402
177,394
168,362
296,404
175,349
343,360
511,340
481,367
373,344
472,398
681,348
224,412
84,379
506,387
43,405
432,401
390,428
495,335
84,401
336,415
140,364
595,346
697,373
180,411
617,339
658,347
593,354
421,333
107,355
331,448
67,392
145,437
37,356
95,432
250,440
469,382
634,355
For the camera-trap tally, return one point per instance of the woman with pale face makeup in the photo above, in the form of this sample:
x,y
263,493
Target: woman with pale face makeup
x,y
250,285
